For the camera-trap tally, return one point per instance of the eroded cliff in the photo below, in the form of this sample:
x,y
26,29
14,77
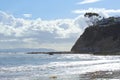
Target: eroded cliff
x,y
103,37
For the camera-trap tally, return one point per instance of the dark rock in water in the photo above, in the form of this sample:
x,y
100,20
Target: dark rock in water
x,y
50,53
99,38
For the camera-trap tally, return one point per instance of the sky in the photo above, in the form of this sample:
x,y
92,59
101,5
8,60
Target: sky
x,y
54,24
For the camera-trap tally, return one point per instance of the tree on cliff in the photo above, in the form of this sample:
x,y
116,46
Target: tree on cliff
x,y
91,14
93,18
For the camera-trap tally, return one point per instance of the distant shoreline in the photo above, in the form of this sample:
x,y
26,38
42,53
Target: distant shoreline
x,y
68,52
51,53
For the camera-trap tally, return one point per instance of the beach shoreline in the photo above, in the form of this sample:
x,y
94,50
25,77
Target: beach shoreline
x,y
97,75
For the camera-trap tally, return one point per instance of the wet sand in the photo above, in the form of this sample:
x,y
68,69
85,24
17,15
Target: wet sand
x,y
106,75
98,75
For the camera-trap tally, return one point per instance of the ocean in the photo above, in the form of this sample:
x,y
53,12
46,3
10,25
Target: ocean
x,y
22,66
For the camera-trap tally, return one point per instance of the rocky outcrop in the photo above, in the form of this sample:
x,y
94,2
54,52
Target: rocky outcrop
x,y
99,38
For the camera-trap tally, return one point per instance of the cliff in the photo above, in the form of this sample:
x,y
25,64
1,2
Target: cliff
x,y
103,37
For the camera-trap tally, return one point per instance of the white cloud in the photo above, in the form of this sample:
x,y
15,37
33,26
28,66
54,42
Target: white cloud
x,y
112,11
62,28
88,1
39,32
20,32
27,15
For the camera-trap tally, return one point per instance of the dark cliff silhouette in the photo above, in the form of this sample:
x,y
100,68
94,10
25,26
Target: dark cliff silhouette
x,y
102,37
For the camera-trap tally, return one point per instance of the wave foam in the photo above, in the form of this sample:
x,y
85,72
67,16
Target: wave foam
x,y
69,66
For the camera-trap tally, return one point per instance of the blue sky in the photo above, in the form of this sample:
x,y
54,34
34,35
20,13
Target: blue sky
x,y
46,9
51,9
48,23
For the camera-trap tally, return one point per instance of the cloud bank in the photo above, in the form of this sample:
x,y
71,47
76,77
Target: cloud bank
x,y
38,33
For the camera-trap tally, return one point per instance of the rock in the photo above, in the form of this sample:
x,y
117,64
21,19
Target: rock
x,y
99,38
53,77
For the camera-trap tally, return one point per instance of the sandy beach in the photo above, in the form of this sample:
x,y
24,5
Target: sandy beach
x,y
98,75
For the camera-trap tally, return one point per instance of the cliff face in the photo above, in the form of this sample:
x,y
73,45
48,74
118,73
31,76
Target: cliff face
x,y
99,38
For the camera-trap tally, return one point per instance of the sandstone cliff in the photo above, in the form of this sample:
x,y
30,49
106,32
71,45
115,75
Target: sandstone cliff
x,y
103,37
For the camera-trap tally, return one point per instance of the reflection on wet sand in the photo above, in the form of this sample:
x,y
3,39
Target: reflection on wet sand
x,y
106,75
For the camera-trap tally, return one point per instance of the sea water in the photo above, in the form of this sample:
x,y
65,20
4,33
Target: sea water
x,y
22,66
